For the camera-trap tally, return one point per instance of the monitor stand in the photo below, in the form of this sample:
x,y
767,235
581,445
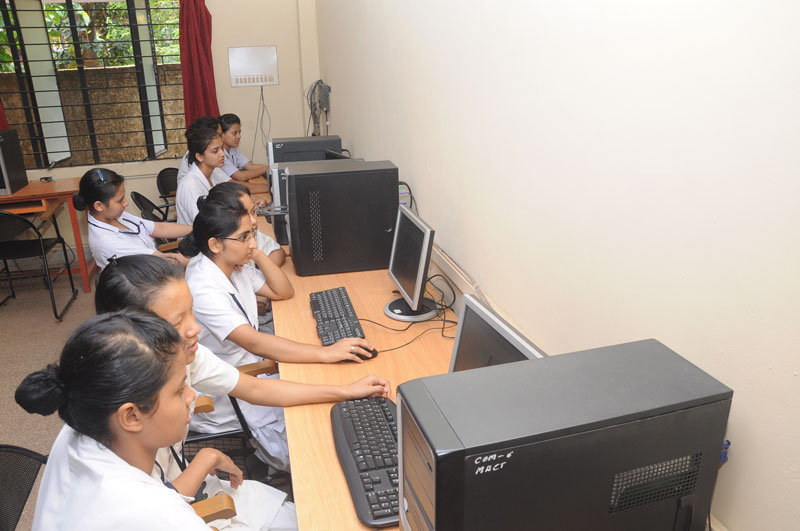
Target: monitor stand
x,y
399,310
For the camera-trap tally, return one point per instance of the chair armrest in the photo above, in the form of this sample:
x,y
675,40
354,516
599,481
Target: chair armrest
x,y
170,246
259,367
203,404
216,507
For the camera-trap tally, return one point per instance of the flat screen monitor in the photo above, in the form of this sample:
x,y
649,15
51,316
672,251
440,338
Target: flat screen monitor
x,y
484,338
408,268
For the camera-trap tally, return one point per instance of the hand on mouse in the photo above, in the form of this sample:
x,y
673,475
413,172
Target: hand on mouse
x,y
349,348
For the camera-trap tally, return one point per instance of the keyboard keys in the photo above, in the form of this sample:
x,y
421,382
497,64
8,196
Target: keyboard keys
x,y
335,316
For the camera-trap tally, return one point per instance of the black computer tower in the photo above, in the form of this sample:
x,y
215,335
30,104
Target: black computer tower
x,y
626,437
341,215
300,148
12,166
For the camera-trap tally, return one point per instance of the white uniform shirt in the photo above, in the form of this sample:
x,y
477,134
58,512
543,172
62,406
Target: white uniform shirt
x,y
234,161
218,314
107,240
211,376
266,244
193,185
183,169
87,486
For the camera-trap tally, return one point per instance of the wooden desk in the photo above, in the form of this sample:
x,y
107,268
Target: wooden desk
x,y
320,489
37,196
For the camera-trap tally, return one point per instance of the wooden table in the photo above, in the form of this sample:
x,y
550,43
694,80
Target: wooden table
x,y
38,196
320,489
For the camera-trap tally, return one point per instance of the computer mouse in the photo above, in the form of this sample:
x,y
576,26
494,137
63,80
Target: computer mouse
x,y
364,357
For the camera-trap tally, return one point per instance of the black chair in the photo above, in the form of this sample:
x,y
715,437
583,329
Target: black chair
x,y
158,212
167,183
12,226
19,468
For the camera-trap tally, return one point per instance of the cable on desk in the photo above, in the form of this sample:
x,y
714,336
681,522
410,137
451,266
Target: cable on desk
x,y
417,337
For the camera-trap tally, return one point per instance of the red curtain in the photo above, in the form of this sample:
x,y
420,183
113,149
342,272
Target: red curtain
x,y
3,120
197,67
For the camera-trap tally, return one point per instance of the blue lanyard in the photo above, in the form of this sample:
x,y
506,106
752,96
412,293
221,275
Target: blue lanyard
x,y
129,231
242,310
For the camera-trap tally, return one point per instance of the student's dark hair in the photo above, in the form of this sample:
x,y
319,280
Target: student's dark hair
x,y
205,122
132,282
227,192
198,139
226,121
110,360
97,184
218,216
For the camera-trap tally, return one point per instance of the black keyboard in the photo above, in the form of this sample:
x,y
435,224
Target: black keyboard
x,y
336,318
365,435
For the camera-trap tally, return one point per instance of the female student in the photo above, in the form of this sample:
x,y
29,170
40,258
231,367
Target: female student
x,y
205,158
204,122
120,387
112,230
224,289
144,282
267,245
236,165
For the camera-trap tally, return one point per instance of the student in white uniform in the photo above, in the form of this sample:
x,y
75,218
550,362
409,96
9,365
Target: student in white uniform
x,y
204,122
224,288
120,387
237,166
206,158
144,282
112,230
266,245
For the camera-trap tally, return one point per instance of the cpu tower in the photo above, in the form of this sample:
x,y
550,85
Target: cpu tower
x,y
341,215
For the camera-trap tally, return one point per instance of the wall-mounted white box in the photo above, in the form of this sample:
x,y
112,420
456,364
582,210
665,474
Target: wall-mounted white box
x,y
253,65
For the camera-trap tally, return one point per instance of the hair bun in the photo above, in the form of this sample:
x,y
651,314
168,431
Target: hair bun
x,y
188,246
42,392
79,202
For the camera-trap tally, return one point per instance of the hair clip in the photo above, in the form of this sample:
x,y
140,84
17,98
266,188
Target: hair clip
x,y
113,260
102,179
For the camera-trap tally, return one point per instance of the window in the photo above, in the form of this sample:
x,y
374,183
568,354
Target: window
x,y
91,82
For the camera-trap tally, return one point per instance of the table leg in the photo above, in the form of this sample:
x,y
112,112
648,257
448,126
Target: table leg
x,y
76,232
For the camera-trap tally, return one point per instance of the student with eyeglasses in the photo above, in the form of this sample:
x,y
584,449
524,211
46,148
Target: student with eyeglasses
x,y
112,230
224,288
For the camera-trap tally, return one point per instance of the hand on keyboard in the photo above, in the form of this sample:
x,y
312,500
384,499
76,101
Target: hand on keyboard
x,y
347,349
367,387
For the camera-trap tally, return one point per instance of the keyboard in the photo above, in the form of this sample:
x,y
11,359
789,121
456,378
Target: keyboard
x,y
365,435
336,318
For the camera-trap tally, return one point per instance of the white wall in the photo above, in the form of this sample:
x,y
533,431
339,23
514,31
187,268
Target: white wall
x,y
608,171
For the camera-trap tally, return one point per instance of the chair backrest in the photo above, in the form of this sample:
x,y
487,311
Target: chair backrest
x,y
167,181
13,226
147,207
19,468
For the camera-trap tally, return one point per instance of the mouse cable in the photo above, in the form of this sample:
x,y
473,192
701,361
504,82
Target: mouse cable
x,y
417,337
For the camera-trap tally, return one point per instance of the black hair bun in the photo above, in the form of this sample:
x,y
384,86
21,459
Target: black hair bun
x,y
188,246
41,392
79,202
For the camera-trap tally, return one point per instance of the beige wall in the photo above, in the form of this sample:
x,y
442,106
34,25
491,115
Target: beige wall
x,y
607,172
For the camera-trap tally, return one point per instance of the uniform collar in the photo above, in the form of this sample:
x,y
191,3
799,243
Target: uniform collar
x,y
103,225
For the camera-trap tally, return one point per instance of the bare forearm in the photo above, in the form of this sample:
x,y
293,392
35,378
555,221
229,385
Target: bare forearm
x,y
195,473
277,282
282,393
247,174
171,230
278,256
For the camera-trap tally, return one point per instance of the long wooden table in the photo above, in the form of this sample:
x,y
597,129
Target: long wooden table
x,y
37,196
320,489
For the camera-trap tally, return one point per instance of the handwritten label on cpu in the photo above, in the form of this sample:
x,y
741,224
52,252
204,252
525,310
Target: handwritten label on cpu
x,y
486,464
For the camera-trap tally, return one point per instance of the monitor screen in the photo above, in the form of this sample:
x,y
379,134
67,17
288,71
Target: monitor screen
x,y
411,251
331,154
483,339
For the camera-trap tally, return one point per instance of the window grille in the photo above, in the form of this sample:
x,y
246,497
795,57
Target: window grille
x,y
92,82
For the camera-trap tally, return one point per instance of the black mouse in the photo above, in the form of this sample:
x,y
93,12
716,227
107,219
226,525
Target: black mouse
x,y
364,357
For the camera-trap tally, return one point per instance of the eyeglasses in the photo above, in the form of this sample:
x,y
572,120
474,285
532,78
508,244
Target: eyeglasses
x,y
244,238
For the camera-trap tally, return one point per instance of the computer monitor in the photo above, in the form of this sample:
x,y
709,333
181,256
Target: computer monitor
x,y
408,268
331,154
484,338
